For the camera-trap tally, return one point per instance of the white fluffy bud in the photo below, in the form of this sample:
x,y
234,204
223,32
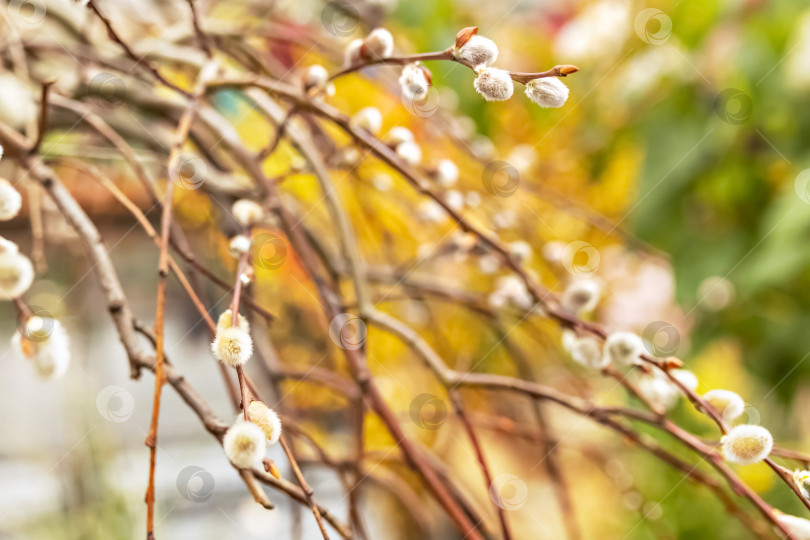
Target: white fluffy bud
x,y
45,343
247,212
798,527
351,56
16,272
17,107
240,244
368,118
549,92
520,251
510,289
446,173
409,152
729,404
581,295
225,321
10,201
414,82
431,211
494,84
584,350
398,134
379,43
245,444
478,51
267,419
232,346
746,444
315,77
658,391
454,199
623,348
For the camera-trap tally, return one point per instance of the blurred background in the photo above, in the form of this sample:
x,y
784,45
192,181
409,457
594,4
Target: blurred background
x,y
677,170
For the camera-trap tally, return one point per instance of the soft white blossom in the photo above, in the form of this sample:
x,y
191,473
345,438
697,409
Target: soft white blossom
x,y
520,251
431,211
623,348
584,350
315,76
379,43
494,84
489,264
414,82
45,343
547,92
446,173
352,54
247,212
398,135
245,444
746,444
267,419
368,118
801,478
798,527
240,244
232,346
510,289
16,271
225,321
478,51
454,199
409,152
658,390
729,404
10,201
581,295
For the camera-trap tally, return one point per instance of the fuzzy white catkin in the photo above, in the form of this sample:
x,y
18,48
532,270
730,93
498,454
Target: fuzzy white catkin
x,y
240,244
729,404
494,84
746,444
510,289
247,212
581,295
379,43
232,346
267,419
548,92
245,444
351,55
46,344
431,211
478,51
398,134
315,76
16,272
17,107
688,379
446,173
658,391
409,152
798,527
10,201
413,82
454,199
225,321
520,250
368,118
584,350
623,348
